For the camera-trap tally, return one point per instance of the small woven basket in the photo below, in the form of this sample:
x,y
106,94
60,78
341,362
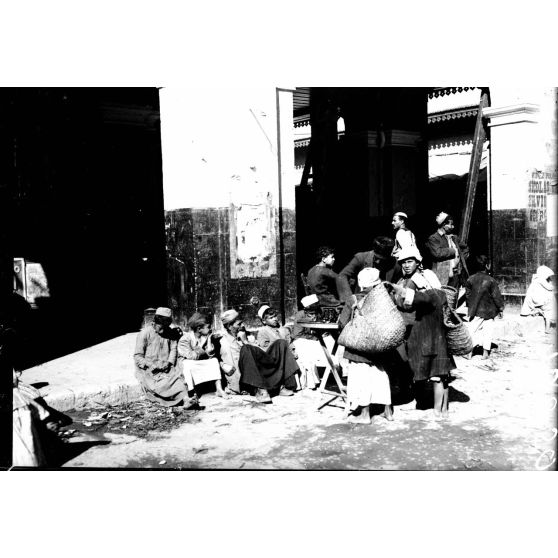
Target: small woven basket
x,y
376,326
458,338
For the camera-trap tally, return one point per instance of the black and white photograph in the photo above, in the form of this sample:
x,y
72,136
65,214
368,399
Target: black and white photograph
x,y
309,278
278,264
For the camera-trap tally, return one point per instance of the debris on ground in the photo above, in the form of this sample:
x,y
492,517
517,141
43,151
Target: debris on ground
x,y
139,418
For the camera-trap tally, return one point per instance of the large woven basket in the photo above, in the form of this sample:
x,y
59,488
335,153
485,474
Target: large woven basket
x,y
451,295
458,338
377,325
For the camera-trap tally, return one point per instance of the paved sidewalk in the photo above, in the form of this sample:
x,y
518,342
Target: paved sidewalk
x,y
104,373
99,375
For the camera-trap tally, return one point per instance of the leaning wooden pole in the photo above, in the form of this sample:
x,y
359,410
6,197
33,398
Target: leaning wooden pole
x,y
474,168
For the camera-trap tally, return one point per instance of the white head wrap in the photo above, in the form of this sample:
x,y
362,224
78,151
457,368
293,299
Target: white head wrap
x,y
368,277
409,252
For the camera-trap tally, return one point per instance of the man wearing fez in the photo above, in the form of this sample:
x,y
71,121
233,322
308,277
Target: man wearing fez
x,y
261,371
448,254
155,358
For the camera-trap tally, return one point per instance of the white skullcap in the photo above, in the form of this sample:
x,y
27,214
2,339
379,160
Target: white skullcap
x,y
263,309
165,312
409,252
309,300
368,277
441,217
400,214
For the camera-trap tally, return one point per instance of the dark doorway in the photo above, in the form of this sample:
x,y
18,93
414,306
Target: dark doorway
x,y
84,186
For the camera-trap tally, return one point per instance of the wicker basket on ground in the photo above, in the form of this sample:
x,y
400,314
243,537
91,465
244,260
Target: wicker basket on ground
x,y
376,326
458,338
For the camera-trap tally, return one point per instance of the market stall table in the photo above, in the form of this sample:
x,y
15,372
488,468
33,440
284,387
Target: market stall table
x,y
318,329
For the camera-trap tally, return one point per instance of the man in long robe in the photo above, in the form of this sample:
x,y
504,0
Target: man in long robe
x,y
155,358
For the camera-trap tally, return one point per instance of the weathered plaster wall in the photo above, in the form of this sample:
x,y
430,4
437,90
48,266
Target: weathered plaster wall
x,y
229,200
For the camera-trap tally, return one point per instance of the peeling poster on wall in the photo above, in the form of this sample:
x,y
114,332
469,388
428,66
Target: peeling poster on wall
x,y
542,185
252,238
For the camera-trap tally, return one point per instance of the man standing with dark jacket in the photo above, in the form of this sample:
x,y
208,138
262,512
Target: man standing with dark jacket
x,y
447,253
379,257
484,303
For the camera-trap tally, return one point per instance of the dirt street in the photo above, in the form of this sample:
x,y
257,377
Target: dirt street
x,y
502,418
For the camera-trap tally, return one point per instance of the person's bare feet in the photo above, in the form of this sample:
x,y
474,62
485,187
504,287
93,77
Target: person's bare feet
x,y
353,419
436,415
388,413
262,396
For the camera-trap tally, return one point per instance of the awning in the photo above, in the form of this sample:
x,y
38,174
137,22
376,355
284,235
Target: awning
x,y
454,161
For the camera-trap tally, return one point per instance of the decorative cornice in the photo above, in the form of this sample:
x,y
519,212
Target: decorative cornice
x,y
513,114
452,115
302,143
300,121
438,144
441,91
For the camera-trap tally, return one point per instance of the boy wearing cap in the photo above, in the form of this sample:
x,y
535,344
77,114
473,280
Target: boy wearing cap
x,y
155,359
447,253
271,329
420,299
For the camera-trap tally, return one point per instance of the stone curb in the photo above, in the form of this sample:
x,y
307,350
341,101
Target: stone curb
x,y
92,396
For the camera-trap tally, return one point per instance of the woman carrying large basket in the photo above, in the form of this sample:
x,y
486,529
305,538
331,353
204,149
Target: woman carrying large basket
x,y
421,300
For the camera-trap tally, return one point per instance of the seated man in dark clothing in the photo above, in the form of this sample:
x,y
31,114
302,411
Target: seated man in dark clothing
x,y
379,257
321,278
263,371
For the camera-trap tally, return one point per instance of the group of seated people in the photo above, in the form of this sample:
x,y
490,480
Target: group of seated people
x,y
170,363
280,361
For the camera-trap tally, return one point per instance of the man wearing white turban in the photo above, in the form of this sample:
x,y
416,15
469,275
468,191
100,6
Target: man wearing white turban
x,y
447,254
